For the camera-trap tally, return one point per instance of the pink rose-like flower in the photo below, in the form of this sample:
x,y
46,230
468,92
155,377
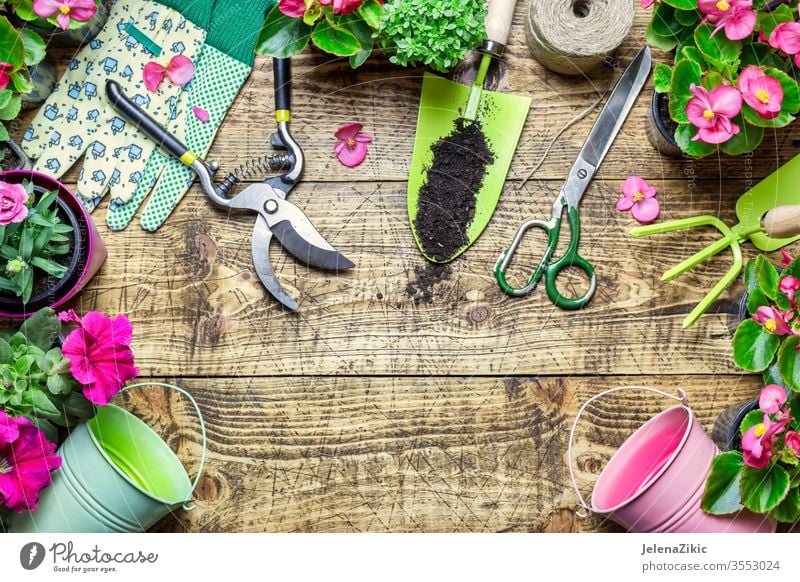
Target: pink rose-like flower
x,y
78,10
12,203
5,77
792,440
758,442
761,92
711,112
639,197
786,37
735,16
351,149
773,320
772,398
26,460
99,354
789,286
292,8
179,70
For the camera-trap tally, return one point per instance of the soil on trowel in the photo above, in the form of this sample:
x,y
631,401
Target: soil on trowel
x,y
447,198
422,290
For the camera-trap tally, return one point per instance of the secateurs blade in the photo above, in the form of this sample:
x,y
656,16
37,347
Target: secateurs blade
x,y
276,216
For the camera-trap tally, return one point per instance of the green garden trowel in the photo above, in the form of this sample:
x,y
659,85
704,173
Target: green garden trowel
x,y
444,105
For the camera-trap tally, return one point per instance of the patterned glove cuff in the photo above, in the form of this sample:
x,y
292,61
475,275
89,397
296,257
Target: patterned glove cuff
x,y
235,27
196,11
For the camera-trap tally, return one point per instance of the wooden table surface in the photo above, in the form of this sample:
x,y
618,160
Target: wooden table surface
x,y
370,411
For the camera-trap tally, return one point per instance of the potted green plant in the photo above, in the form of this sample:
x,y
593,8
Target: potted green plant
x,y
65,22
733,74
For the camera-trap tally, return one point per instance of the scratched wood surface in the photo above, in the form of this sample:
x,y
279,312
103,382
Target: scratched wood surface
x,y
377,409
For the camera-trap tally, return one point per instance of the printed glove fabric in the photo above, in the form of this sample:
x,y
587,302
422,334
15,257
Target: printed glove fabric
x,y
78,120
222,69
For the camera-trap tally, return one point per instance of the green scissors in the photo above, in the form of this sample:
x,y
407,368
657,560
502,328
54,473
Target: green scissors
x,y
594,150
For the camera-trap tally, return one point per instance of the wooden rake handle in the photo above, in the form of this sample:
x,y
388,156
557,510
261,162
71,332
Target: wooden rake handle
x,y
498,20
782,221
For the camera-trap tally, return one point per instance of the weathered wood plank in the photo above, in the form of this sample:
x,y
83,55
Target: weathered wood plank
x,y
197,306
409,454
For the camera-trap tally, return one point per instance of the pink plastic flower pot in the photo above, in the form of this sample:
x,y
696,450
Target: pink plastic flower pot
x,y
90,251
655,481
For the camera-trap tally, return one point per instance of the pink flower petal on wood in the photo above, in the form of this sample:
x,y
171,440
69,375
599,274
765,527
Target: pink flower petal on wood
x,y
351,156
646,211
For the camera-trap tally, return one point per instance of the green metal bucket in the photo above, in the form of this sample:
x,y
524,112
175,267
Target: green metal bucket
x,y
117,475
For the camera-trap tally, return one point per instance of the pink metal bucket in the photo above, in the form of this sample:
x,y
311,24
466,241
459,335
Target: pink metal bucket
x,y
95,254
655,481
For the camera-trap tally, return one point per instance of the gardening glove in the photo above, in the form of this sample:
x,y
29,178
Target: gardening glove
x,y
79,119
224,64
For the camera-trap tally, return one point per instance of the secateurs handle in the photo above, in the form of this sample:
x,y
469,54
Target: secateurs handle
x,y
782,221
282,75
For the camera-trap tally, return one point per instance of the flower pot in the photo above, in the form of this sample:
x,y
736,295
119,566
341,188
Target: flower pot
x,y
116,475
655,481
89,251
44,77
13,156
660,128
66,38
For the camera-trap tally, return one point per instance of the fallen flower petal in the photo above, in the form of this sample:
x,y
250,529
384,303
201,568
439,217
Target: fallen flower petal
x,y
153,75
351,149
180,70
200,113
639,197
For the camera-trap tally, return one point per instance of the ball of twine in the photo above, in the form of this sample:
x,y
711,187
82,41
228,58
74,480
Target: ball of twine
x,y
574,37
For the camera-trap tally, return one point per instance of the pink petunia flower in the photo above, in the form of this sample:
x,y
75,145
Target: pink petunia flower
x,y
26,460
5,77
351,149
179,70
761,92
772,398
78,10
12,203
711,112
639,197
789,286
786,37
758,442
99,354
736,17
773,320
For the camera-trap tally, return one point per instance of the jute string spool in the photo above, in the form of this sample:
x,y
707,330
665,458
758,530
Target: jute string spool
x,y
574,37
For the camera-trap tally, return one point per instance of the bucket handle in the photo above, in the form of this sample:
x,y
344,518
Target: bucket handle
x,y
193,402
584,510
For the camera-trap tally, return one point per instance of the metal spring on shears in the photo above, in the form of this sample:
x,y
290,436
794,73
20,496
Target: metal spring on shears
x,y
259,167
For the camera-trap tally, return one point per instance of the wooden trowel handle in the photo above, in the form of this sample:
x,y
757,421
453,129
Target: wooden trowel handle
x,y
498,20
782,221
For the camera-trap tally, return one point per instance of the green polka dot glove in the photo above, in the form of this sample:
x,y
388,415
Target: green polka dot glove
x,y
222,68
78,120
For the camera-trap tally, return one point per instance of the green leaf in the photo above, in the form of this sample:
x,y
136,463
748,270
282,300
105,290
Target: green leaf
x,y
764,489
79,407
6,353
26,244
57,385
721,495
751,419
696,149
761,55
12,50
691,53
335,39
4,135
49,267
5,97
748,138
661,78
11,110
34,47
664,22
717,50
756,299
750,276
687,17
312,14
359,58
41,329
788,510
753,346
772,375
683,4
663,43
47,427
21,80
711,80
282,36
370,11
767,21
685,73
767,276
789,362
41,404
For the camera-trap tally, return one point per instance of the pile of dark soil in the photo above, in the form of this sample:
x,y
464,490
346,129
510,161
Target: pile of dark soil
x,y
9,160
427,277
447,198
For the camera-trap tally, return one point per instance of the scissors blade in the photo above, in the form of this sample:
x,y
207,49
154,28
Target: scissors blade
x,y
298,236
616,109
262,236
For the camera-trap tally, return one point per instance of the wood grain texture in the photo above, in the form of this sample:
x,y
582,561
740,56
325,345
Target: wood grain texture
x,y
320,454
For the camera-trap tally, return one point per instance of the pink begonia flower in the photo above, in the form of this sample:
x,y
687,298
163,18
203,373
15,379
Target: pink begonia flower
x,y
773,320
344,6
786,37
351,149
292,8
99,354
5,77
200,113
761,36
758,441
179,70
772,398
792,440
646,3
639,197
786,258
761,92
789,286
12,203
78,10
735,16
711,112
26,460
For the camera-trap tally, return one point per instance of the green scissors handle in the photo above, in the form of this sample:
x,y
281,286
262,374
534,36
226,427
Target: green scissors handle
x,y
547,269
